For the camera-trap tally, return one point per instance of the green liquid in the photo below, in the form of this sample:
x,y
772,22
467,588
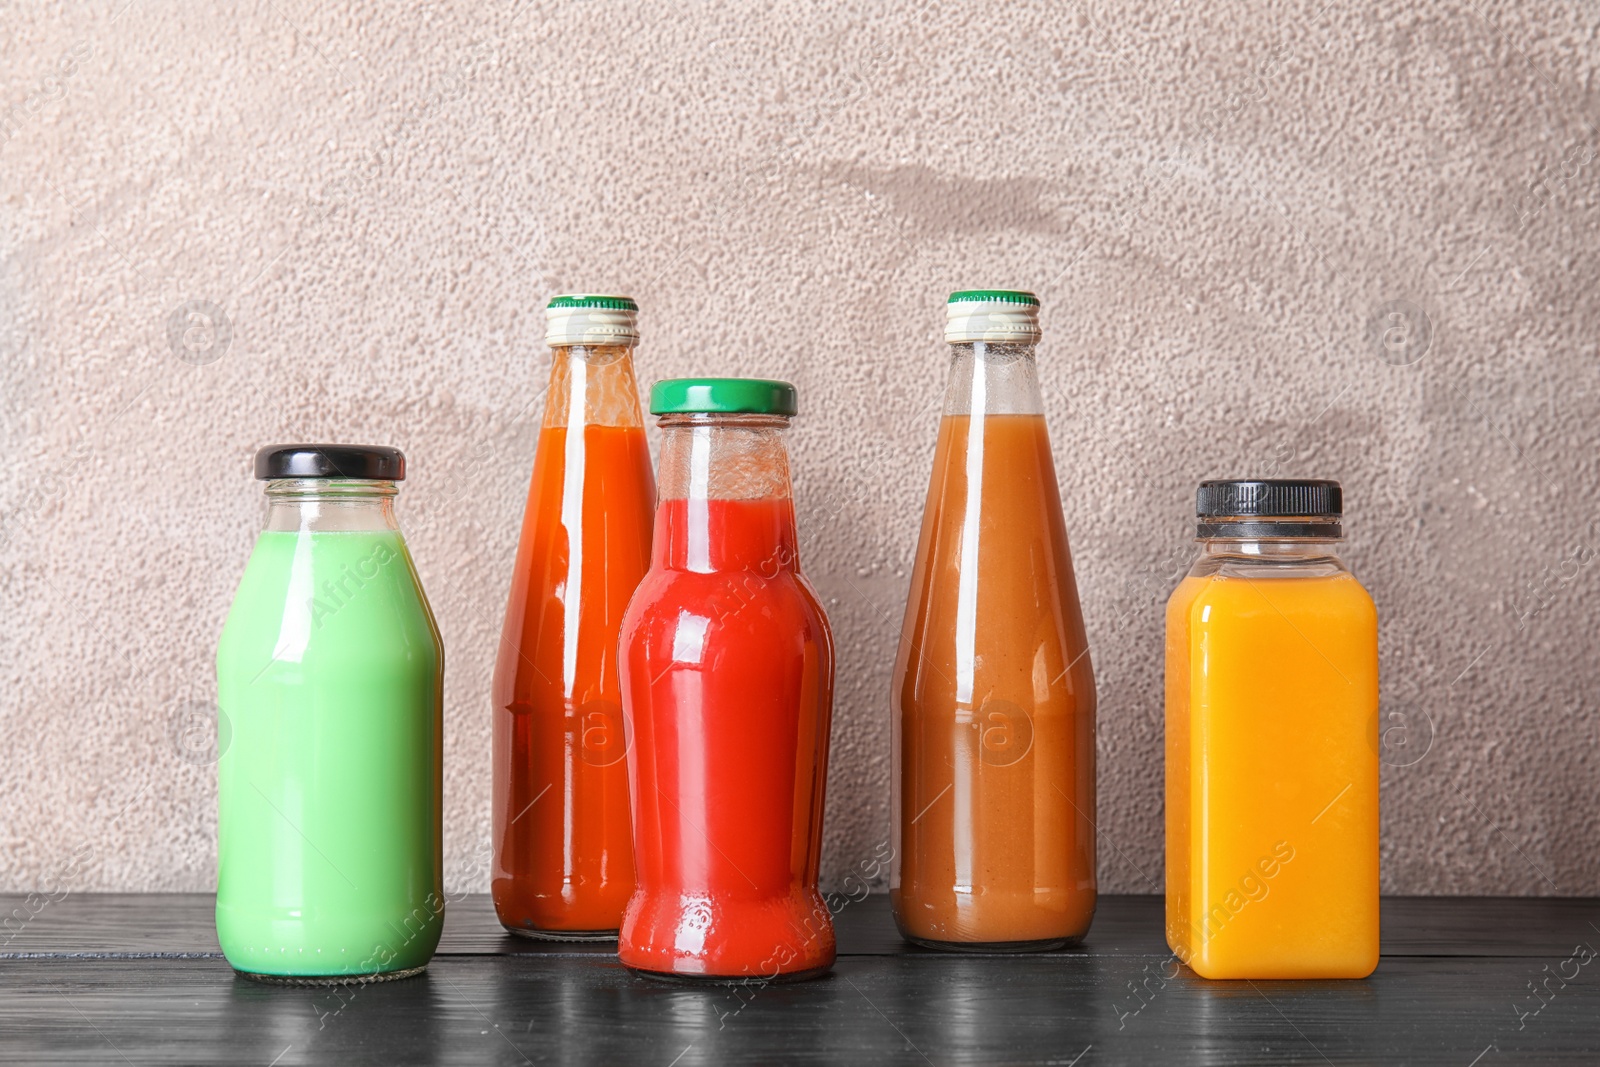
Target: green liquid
x,y
330,674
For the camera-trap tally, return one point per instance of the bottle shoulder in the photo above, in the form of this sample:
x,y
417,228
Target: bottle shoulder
x,y
1188,589
1205,598
668,595
331,590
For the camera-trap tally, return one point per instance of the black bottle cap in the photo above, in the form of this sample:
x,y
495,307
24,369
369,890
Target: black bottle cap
x,y
1269,507
1269,498
375,462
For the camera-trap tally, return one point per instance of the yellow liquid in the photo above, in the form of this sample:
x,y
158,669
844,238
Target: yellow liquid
x,y
1272,777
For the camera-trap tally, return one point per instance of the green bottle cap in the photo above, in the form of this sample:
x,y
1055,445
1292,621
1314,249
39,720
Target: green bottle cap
x,y
994,316
732,396
591,319
997,296
585,300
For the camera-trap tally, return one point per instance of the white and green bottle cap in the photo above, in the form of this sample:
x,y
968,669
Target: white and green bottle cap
x,y
589,319
1003,316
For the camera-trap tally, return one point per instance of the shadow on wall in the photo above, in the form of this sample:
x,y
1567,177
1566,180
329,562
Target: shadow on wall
x,y
924,201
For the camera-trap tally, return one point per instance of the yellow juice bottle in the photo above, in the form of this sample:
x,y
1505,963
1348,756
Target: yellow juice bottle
x,y
1271,742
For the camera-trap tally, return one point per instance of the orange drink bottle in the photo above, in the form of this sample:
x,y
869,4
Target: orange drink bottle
x,y
994,698
563,853
1272,742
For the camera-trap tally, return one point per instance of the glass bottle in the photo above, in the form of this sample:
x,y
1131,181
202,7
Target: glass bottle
x,y
330,694
727,682
994,787
563,854
1271,741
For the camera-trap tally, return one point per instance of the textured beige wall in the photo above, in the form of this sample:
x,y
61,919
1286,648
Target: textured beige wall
x,y
1220,204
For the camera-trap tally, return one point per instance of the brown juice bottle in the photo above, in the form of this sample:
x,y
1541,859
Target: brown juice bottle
x,y
994,694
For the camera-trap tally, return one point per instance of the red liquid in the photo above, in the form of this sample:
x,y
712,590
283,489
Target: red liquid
x,y
727,678
563,851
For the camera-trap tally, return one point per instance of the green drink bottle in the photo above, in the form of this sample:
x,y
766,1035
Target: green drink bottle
x,y
329,680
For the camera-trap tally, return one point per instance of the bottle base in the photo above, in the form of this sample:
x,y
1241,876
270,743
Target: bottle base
x,y
330,979
673,978
1048,944
561,935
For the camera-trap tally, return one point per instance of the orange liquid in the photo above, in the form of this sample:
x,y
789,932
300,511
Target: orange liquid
x,y
563,848
995,791
1272,777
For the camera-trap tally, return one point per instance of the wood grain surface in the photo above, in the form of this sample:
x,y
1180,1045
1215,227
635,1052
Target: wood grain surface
x,y
139,979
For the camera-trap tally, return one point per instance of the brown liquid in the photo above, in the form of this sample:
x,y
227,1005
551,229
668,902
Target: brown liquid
x,y
995,697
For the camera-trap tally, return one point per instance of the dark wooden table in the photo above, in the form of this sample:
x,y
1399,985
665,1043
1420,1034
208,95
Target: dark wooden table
x,y
139,979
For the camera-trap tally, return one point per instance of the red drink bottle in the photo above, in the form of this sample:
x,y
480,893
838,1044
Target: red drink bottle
x,y
727,692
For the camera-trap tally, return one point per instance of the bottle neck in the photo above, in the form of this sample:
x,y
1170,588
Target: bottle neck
x,y
725,497
1271,548
988,378
1262,556
331,505
592,385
